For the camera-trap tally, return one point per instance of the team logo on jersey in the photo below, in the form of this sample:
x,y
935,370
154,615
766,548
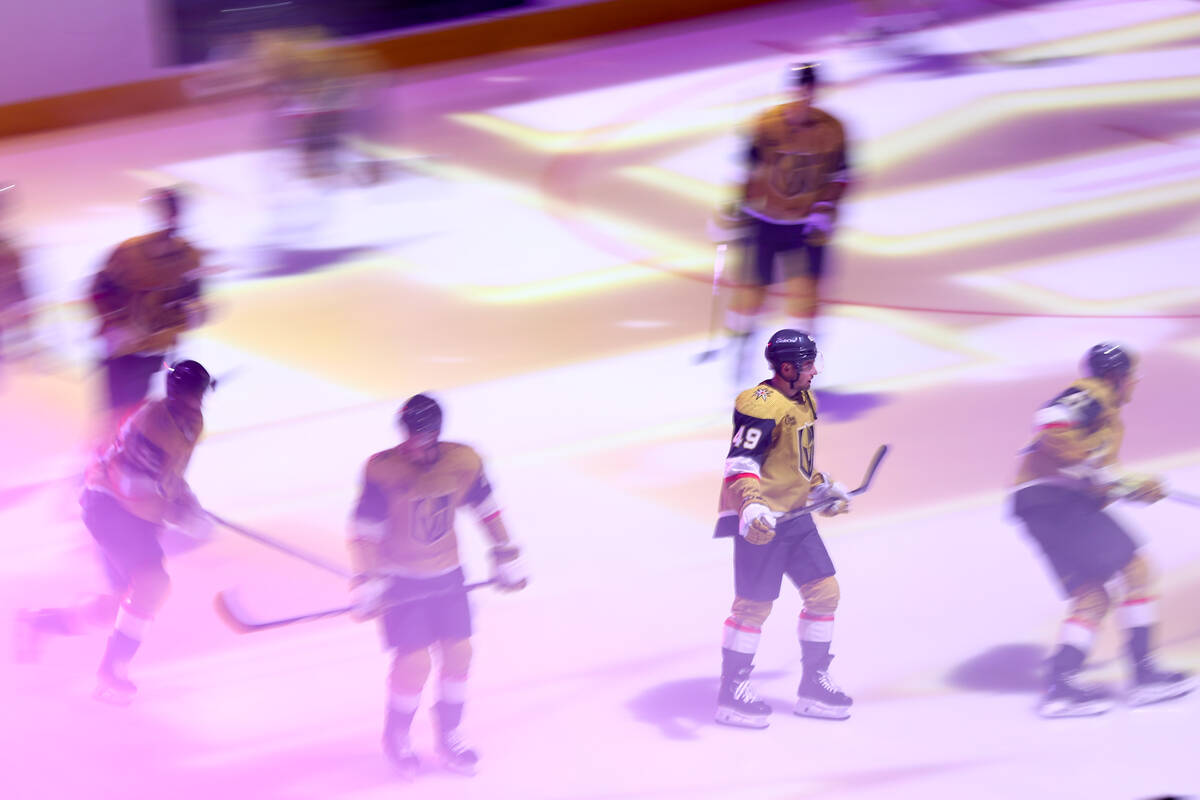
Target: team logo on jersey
x,y
762,393
431,518
795,174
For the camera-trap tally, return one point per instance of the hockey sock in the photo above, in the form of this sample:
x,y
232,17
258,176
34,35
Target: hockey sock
x,y
1066,659
815,655
449,715
1138,644
733,662
118,653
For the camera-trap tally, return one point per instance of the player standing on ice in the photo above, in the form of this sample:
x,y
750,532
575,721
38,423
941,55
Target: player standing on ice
x,y
132,490
798,171
1065,481
16,313
147,294
403,545
769,470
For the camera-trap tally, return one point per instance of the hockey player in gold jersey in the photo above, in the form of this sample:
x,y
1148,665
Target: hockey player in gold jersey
x,y
770,470
403,545
1067,476
146,295
798,172
132,490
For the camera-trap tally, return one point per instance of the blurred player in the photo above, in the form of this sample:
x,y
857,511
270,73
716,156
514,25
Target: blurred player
x,y
16,311
1066,479
403,545
884,18
770,470
146,296
132,490
798,171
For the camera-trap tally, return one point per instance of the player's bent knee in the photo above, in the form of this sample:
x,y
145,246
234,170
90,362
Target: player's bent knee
x,y
149,589
751,612
456,658
1138,577
409,671
1090,604
821,596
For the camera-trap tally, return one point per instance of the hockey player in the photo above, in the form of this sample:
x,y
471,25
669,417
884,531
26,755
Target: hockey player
x,y
798,171
1066,479
403,545
147,294
132,490
770,469
15,309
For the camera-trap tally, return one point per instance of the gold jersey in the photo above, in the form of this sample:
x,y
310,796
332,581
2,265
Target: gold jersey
x,y
145,292
771,456
1076,436
12,284
794,164
407,510
143,467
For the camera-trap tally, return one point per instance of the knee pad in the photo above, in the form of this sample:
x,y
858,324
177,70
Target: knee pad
x,y
1137,579
745,303
801,297
148,590
409,671
750,612
821,596
1089,604
456,658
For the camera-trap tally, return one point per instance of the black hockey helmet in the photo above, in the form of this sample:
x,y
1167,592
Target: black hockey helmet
x,y
420,414
167,199
188,378
790,346
1108,359
803,75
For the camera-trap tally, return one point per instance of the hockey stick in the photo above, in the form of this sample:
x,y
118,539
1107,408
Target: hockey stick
x,y
821,505
1183,497
282,547
232,614
714,321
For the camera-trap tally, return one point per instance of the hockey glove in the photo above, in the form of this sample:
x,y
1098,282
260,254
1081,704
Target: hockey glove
x,y
830,489
728,224
757,524
508,569
818,225
1144,489
367,596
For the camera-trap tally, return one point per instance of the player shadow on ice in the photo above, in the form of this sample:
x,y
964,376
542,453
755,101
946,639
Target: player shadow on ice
x,y
680,708
842,406
283,262
1004,669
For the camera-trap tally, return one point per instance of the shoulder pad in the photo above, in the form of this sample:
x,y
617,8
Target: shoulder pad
x,y
1079,406
762,401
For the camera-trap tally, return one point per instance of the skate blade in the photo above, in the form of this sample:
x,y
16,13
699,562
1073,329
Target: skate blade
x,y
1146,695
467,770
404,769
406,772
113,697
812,708
1062,710
727,716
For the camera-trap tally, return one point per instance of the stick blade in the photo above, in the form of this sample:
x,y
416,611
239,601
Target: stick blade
x,y
230,612
869,475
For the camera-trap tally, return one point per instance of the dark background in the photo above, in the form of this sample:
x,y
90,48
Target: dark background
x,y
196,27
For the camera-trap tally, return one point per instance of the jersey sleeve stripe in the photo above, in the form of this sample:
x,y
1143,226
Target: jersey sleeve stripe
x,y
743,464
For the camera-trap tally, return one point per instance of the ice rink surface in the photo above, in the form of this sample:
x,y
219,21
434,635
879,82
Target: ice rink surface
x,y
1026,185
